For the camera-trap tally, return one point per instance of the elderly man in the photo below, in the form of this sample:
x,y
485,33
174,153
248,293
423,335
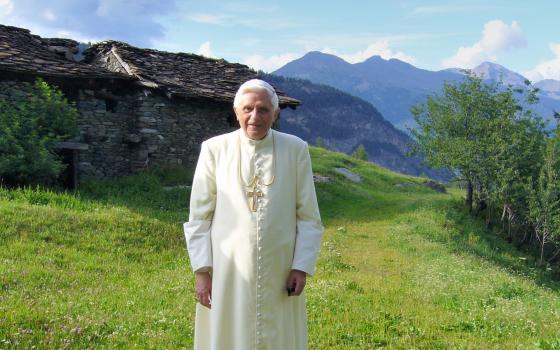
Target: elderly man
x,y
254,231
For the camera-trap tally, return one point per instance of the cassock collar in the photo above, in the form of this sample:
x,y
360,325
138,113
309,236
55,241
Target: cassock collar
x,y
267,140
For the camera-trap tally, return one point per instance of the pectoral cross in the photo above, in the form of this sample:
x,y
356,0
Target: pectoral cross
x,y
254,194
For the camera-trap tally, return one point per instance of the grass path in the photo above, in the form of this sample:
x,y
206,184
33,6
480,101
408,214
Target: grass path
x,y
401,267
402,283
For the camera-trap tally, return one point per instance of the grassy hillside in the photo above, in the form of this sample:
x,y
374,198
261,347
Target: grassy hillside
x,y
400,267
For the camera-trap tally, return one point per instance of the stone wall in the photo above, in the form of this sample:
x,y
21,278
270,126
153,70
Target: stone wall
x,y
171,131
136,129
104,129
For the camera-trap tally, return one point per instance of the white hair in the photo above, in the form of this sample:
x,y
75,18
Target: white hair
x,y
256,85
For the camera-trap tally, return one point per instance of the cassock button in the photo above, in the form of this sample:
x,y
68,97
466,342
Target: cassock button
x,y
259,286
258,314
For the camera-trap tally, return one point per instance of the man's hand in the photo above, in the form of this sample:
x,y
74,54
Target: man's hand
x,y
296,282
204,288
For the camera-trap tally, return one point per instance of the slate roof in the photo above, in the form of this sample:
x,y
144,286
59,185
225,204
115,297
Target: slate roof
x,y
179,74
176,74
22,52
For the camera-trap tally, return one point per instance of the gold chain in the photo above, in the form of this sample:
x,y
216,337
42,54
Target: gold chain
x,y
255,179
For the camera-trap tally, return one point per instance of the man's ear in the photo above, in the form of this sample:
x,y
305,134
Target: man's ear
x,y
276,115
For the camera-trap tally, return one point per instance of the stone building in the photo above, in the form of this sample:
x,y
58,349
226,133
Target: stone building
x,y
138,107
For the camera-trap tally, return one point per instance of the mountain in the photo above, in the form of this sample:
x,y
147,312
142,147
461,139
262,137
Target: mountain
x,y
393,86
496,72
549,88
344,122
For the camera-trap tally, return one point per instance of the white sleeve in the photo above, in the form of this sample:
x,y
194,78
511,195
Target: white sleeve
x,y
308,220
202,205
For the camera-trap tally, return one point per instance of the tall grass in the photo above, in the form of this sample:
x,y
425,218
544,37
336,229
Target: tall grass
x,y
400,267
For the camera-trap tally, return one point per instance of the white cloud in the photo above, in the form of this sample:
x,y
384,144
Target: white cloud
x,y
497,37
205,50
209,19
6,7
271,63
548,69
379,48
136,22
230,20
49,15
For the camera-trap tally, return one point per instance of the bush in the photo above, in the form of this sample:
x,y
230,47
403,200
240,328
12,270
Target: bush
x,y
360,153
319,142
30,127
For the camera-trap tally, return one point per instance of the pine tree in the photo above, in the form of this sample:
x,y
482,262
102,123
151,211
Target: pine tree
x,y
360,153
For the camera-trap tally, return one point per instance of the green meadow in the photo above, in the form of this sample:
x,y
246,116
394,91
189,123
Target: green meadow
x,y
401,267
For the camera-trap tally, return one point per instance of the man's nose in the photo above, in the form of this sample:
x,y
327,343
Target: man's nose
x,y
254,114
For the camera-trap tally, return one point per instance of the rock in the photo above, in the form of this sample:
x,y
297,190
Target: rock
x,y
349,174
436,186
148,120
321,179
170,188
148,131
86,168
134,138
405,184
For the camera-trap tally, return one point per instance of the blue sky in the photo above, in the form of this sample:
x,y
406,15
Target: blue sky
x,y
521,35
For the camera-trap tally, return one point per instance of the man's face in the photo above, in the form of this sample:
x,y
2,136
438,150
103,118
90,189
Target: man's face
x,y
255,114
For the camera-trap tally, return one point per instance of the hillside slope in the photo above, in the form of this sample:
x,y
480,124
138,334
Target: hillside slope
x,y
400,267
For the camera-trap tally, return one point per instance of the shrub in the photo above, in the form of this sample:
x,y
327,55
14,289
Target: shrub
x,y
319,142
360,153
30,127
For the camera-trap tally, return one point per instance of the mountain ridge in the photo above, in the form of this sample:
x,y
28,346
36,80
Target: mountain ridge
x,y
344,122
393,86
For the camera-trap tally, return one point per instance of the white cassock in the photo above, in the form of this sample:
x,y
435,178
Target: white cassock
x,y
250,252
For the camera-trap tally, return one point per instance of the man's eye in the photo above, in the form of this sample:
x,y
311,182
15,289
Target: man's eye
x,y
247,110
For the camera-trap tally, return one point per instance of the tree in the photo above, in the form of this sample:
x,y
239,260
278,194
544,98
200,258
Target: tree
x,y
479,131
544,198
360,153
320,142
30,127
489,136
